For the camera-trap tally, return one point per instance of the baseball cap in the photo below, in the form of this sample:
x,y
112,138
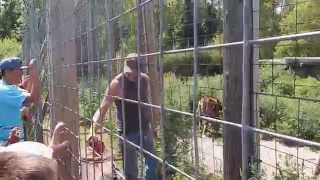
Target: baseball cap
x,y
11,64
131,63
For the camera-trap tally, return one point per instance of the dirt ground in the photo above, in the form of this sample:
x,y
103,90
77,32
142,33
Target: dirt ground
x,y
274,155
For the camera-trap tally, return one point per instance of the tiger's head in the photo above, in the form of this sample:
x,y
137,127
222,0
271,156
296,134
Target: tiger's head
x,y
210,106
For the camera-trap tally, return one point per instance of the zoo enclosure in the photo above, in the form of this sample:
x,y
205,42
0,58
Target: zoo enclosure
x,y
83,45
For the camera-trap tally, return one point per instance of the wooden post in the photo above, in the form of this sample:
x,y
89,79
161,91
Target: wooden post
x,y
232,67
62,50
149,43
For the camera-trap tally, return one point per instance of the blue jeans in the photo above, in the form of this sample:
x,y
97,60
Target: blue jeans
x,y
131,164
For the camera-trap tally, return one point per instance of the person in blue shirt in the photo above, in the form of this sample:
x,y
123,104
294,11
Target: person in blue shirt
x,y
15,100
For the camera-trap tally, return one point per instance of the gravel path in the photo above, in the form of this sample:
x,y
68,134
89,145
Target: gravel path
x,y
307,158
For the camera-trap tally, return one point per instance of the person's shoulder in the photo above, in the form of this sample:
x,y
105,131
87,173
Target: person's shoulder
x,y
115,82
11,88
145,76
117,79
24,92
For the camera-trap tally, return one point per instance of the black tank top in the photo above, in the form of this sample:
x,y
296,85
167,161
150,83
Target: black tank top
x,y
131,111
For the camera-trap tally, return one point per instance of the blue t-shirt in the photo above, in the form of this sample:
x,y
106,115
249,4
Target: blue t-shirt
x,y
11,101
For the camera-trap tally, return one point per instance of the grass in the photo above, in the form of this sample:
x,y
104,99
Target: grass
x,y
9,48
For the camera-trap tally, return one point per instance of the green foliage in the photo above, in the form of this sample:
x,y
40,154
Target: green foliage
x,y
128,32
9,48
177,143
210,63
256,172
10,22
292,170
179,18
283,114
178,95
300,48
89,99
269,22
304,17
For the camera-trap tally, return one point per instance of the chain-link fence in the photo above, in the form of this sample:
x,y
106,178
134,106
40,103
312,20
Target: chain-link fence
x,y
233,85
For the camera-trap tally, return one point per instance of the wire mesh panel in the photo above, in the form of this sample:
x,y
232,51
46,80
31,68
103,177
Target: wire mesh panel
x,y
282,106
218,89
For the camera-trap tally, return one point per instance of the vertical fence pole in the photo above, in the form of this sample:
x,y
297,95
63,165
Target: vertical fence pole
x,y
162,100
124,119
109,55
245,90
139,50
248,88
255,85
50,64
90,33
195,88
109,52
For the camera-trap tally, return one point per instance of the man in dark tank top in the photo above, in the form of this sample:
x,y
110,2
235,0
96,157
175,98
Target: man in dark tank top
x,y
134,122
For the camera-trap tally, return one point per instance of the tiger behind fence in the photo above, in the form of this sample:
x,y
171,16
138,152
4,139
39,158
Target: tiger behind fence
x,y
209,106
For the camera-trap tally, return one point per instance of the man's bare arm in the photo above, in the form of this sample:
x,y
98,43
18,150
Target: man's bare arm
x,y
34,84
106,103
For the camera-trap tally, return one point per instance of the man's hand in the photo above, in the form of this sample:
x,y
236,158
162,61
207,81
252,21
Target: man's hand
x,y
14,136
26,82
33,68
25,113
35,87
96,144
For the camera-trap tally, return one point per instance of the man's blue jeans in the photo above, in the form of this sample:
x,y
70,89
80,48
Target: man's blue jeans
x,y
131,156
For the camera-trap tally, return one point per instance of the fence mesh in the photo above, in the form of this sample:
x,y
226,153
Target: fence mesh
x,y
234,86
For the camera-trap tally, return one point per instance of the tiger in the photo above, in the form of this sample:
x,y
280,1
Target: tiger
x,y
209,106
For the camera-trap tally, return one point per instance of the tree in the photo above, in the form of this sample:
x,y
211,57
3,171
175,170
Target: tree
x,y
179,18
304,17
10,18
269,26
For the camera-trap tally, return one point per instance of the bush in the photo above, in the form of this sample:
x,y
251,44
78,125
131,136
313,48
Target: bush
x,y
282,112
9,48
210,63
292,170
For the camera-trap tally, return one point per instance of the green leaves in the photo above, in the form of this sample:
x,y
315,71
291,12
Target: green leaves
x,y
303,17
10,22
9,47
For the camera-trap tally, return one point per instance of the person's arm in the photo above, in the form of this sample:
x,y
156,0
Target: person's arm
x,y
25,113
34,86
26,83
106,103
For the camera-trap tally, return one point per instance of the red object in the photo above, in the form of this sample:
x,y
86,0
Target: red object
x,y
96,144
13,136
